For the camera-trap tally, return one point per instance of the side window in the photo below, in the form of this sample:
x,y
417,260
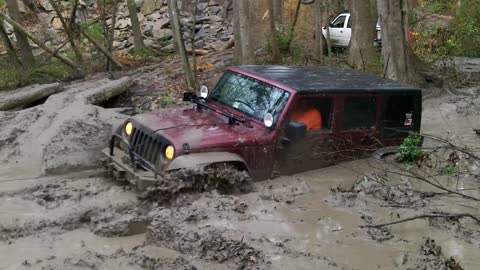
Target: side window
x,y
398,111
349,24
359,113
339,22
315,112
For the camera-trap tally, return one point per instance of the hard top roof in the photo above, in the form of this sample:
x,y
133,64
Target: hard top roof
x,y
325,79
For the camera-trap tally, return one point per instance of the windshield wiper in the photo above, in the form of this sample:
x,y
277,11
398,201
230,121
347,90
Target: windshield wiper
x,y
231,117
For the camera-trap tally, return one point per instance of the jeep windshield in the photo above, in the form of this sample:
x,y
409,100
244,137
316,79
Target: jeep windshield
x,y
249,96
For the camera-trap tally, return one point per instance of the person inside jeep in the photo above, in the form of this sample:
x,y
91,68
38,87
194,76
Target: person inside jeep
x,y
308,115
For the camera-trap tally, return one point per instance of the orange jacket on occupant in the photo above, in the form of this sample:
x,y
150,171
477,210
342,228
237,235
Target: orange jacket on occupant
x,y
311,118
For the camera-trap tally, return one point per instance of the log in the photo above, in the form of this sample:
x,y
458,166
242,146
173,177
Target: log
x,y
18,98
198,52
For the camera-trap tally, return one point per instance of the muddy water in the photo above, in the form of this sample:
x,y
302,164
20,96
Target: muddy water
x,y
293,221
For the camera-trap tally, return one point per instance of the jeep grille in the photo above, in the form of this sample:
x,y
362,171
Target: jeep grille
x,y
148,146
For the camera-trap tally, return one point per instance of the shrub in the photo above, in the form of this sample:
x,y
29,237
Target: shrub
x,y
410,149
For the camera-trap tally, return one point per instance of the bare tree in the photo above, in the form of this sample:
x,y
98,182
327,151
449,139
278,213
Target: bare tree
x,y
319,40
111,34
364,18
278,12
273,30
292,28
178,38
137,31
19,28
243,48
22,40
399,62
67,29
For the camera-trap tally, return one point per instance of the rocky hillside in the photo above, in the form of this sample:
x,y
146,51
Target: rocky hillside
x,y
213,27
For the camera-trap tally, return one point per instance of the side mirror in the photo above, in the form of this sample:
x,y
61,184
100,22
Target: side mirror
x,y
189,96
295,131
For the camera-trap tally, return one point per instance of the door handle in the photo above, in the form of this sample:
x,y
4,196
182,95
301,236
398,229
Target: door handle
x,y
341,31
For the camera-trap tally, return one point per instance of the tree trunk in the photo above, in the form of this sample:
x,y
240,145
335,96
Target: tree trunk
x,y
278,12
273,32
22,40
111,34
326,22
243,48
319,44
12,56
104,50
68,30
194,53
292,29
364,20
399,63
178,38
137,31
19,28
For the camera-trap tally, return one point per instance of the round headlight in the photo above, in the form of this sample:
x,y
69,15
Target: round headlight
x,y
129,129
169,152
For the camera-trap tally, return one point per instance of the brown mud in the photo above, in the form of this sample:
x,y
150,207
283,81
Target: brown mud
x,y
310,220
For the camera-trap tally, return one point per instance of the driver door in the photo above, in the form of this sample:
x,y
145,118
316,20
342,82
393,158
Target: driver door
x,y
337,30
315,150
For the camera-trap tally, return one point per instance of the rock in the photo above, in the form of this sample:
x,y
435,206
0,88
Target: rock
x,y
202,6
123,23
8,27
159,33
57,24
149,6
149,43
154,16
214,10
140,17
148,27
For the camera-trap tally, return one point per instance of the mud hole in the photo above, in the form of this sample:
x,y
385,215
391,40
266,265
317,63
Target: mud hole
x,y
219,219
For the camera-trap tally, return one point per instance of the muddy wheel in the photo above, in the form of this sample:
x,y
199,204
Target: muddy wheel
x,y
226,178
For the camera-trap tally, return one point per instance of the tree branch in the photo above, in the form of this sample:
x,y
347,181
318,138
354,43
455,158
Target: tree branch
x,y
457,216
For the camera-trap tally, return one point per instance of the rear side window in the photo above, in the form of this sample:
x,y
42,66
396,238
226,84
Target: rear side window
x,y
398,112
359,113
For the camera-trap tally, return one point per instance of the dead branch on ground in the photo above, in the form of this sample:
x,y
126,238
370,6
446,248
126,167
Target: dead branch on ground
x,y
455,216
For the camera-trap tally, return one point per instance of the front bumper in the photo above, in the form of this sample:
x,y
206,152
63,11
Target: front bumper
x,y
128,166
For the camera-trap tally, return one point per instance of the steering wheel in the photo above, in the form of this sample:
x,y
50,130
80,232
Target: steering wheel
x,y
244,103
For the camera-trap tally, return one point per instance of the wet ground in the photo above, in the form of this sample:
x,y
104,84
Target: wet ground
x,y
322,219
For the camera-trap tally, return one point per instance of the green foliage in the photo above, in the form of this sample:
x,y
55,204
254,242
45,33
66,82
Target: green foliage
x,y
438,6
460,38
165,100
49,72
146,54
449,170
410,149
467,28
295,51
93,29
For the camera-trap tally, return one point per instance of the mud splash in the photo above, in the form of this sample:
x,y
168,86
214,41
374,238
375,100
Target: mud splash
x,y
222,178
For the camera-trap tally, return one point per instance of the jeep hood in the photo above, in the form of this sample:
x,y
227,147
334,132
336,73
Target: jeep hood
x,y
200,129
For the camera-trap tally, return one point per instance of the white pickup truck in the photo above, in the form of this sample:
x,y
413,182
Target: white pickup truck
x,y
341,31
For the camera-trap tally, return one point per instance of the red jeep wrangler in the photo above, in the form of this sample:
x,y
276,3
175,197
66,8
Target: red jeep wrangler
x,y
268,120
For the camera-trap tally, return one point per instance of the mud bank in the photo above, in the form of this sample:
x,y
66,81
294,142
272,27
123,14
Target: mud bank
x,y
64,134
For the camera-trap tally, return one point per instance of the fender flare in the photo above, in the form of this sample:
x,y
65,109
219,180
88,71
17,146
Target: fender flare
x,y
199,159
